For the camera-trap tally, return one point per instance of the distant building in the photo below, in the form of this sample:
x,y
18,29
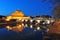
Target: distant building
x,y
18,15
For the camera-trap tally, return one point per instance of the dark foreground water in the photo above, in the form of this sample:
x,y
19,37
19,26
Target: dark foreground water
x,y
26,34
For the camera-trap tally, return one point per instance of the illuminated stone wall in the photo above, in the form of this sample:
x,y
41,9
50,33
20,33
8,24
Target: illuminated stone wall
x,y
17,14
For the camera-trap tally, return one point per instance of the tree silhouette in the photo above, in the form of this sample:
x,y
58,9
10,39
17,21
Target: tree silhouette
x,y
56,12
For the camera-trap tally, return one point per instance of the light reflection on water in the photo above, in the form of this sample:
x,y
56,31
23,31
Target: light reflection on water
x,y
21,32
20,27
27,33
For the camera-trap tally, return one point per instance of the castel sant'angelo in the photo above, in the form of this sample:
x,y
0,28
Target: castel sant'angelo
x,y
17,15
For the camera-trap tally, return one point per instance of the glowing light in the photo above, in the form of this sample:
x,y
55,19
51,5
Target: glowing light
x,y
31,20
26,25
48,22
22,20
19,19
31,26
38,21
43,22
7,19
18,28
22,24
8,27
38,28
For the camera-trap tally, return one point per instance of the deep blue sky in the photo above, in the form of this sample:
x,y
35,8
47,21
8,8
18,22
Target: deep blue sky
x,y
29,7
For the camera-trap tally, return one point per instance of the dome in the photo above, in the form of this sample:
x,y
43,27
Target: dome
x,y
17,13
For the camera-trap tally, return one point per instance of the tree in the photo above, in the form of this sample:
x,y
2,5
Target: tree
x,y
56,12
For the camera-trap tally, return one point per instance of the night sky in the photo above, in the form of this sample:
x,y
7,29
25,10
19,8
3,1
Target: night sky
x,y
30,8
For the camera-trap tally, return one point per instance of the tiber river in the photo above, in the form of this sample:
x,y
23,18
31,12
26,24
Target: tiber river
x,y
28,33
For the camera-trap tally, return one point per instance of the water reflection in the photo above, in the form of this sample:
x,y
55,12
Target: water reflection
x,y
20,27
17,28
27,31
